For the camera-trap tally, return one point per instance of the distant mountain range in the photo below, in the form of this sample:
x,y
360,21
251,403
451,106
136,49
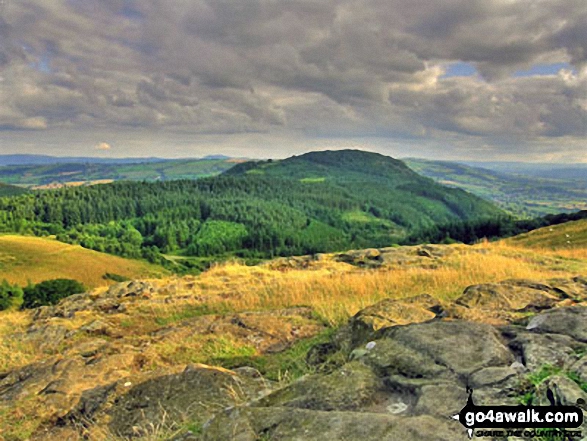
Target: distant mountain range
x,y
523,189
54,173
545,170
46,160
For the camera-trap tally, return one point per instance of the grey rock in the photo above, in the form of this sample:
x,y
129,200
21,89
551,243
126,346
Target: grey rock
x,y
536,350
252,424
491,376
569,321
463,347
349,388
193,395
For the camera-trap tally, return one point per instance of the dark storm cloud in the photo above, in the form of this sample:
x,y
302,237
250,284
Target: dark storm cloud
x,y
329,68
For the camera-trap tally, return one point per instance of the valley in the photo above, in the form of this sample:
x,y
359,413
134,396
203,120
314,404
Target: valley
x,y
523,191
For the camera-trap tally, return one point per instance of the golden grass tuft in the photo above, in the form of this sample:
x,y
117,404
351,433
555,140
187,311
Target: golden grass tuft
x,y
13,351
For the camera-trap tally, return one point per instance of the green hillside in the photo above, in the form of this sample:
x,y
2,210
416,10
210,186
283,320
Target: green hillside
x,y
322,201
569,235
41,175
523,196
382,187
10,190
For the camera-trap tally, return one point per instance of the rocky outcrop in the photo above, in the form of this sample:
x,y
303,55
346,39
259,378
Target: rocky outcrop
x,y
398,369
425,256
513,299
407,381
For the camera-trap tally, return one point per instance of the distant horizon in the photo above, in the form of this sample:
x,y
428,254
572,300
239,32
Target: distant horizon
x,y
213,155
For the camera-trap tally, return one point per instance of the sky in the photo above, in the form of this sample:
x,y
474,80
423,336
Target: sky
x,y
447,79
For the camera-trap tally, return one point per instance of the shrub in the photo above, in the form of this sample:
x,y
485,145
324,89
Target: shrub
x,y
10,295
50,292
115,277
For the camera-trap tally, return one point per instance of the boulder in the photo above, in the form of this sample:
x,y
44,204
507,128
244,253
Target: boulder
x,y
286,424
384,314
462,347
535,350
193,395
351,387
566,321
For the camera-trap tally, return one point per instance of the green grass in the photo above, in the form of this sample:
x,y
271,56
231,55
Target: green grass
x,y
312,180
192,311
362,217
570,235
255,172
543,373
283,366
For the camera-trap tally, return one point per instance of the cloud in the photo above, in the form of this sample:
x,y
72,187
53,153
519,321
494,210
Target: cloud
x,y
335,68
103,146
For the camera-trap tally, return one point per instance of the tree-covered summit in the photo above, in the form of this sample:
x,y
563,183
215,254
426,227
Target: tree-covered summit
x,y
317,202
336,164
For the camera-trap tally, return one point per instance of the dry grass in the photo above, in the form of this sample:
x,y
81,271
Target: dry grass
x,y
13,351
337,291
35,259
334,290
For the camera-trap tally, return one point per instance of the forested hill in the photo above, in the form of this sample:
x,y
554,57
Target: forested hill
x,y
338,165
380,186
322,201
10,190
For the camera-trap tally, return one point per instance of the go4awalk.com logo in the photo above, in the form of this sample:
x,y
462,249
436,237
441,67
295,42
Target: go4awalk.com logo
x,y
557,422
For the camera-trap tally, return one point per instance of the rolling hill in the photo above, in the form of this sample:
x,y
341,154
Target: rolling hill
x,y
548,170
566,236
317,202
11,190
34,259
82,173
522,195
383,187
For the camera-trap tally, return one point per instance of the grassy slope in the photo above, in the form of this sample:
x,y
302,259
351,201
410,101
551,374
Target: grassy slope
x,y
37,259
567,236
10,190
33,175
521,195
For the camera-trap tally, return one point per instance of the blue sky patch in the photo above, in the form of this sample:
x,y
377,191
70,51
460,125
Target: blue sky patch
x,y
543,69
460,69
